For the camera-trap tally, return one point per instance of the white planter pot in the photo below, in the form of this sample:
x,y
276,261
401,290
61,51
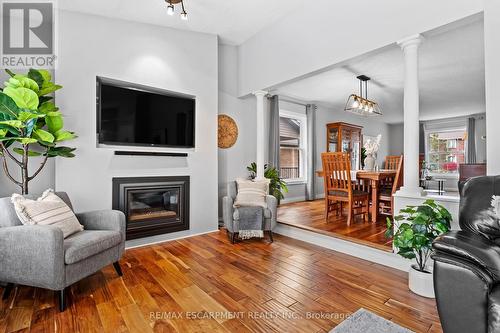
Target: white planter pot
x,y
421,283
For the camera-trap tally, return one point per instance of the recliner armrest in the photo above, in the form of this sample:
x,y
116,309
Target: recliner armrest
x,y
32,255
471,247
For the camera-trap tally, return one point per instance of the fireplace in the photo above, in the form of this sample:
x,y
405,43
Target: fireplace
x,y
152,205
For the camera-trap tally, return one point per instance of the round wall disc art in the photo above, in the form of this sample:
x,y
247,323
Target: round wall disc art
x,y
228,131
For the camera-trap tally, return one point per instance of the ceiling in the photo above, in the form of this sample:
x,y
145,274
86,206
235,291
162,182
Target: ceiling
x,y
234,21
451,76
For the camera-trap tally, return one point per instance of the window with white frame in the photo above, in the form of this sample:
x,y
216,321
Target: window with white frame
x,y
293,143
445,149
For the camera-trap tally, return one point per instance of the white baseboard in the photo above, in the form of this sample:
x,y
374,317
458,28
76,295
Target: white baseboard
x,y
356,250
301,198
141,242
294,199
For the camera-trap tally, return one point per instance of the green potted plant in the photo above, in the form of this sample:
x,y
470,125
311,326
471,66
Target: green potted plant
x,y
277,186
31,124
413,232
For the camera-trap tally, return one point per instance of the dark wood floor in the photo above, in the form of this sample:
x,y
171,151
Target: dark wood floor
x,y
274,286
310,215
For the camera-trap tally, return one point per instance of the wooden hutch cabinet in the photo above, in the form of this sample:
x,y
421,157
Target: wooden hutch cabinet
x,y
344,137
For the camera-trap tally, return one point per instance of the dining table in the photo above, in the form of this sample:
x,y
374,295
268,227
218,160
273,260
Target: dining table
x,y
373,178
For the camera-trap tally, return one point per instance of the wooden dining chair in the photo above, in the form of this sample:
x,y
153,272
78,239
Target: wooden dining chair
x,y
386,196
392,162
340,189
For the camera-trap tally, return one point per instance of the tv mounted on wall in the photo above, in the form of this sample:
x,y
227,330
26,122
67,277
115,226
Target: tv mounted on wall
x,y
134,115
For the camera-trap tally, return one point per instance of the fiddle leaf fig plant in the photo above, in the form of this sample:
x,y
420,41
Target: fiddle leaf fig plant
x,y
277,186
31,124
415,228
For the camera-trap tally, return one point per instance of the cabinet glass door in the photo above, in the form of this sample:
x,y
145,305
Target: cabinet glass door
x,y
333,139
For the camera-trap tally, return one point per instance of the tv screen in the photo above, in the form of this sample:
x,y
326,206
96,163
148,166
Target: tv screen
x,y
134,115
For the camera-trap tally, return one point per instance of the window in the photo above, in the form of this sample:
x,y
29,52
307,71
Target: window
x,y
445,150
293,146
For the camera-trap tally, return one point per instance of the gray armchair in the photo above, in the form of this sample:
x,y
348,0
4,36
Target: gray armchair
x,y
39,256
231,217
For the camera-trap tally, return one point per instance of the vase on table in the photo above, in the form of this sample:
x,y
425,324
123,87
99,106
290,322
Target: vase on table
x,y
369,162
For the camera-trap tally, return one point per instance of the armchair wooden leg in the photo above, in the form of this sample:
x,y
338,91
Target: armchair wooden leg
x,y
118,269
271,236
7,291
62,300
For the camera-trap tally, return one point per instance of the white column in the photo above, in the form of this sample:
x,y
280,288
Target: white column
x,y
411,184
492,75
260,158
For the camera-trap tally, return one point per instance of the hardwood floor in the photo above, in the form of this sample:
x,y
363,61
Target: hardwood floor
x,y
267,287
310,215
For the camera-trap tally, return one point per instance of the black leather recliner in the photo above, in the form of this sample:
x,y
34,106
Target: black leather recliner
x,y
467,263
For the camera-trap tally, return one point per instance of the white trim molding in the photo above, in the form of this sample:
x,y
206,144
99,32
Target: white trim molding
x,y
356,250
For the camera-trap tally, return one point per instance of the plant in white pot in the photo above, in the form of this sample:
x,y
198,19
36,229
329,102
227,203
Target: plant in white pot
x,y
413,232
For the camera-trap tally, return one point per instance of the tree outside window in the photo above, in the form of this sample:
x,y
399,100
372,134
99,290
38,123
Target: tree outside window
x,y
292,146
445,150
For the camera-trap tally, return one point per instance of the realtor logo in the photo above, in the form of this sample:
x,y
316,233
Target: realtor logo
x,y
28,34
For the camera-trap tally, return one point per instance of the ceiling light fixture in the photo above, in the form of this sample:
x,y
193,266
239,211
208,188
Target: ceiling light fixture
x,y
360,104
171,9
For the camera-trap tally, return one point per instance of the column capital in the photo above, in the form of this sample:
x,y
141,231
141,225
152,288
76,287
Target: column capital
x,y
413,40
260,93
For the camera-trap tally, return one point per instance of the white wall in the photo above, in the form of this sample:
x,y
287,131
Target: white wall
x,y
396,139
233,161
170,59
492,73
324,32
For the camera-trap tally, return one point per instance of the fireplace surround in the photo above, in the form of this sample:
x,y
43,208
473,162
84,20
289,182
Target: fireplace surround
x,y
152,205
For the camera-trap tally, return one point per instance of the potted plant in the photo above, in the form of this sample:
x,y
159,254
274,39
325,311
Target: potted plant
x,y
277,186
31,124
413,232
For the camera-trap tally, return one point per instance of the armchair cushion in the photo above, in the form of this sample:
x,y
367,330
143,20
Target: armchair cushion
x,y
87,243
103,220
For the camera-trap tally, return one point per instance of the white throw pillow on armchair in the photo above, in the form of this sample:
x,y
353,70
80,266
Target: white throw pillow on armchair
x,y
251,192
49,209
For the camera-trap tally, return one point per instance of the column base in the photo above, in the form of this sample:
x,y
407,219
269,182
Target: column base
x,y
405,191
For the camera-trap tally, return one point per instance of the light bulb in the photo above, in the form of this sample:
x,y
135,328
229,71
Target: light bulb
x,y
170,10
184,16
361,105
371,108
367,107
355,104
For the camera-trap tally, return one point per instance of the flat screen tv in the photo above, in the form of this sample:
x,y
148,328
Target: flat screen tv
x,y
135,115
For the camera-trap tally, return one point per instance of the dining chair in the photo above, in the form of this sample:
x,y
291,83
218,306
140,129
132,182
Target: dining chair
x,y
392,162
339,187
386,196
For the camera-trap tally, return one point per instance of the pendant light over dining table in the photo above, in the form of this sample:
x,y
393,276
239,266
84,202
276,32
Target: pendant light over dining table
x,y
360,104
171,8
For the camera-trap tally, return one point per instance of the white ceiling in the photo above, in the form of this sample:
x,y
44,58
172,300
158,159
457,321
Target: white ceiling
x,y
451,76
234,21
